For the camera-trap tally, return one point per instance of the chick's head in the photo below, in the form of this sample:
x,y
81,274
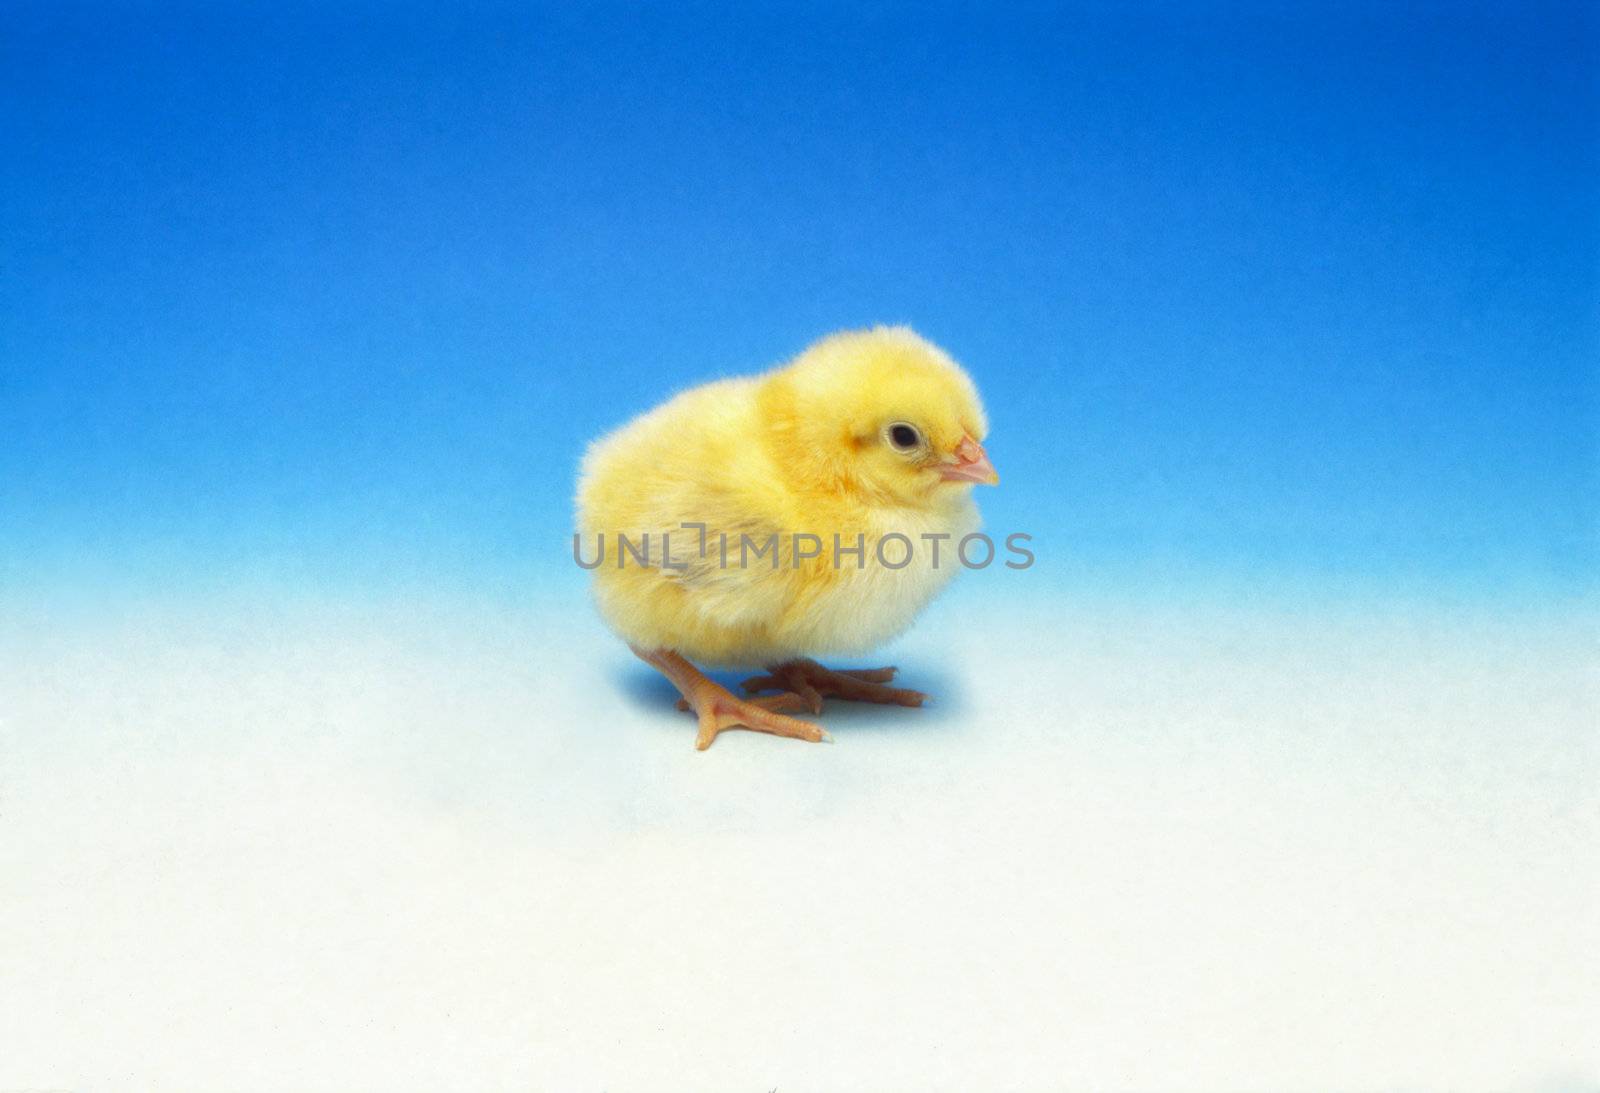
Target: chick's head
x,y
883,413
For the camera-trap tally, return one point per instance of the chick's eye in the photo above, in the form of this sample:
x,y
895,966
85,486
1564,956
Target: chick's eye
x,y
904,436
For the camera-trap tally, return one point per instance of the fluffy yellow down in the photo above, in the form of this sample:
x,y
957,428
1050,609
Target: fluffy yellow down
x,y
801,449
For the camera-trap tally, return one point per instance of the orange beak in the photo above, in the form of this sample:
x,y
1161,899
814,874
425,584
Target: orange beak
x,y
971,465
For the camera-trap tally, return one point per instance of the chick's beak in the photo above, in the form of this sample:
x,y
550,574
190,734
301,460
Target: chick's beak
x,y
970,465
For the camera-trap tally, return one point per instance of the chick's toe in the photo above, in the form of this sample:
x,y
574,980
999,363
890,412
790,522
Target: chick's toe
x,y
718,708
812,682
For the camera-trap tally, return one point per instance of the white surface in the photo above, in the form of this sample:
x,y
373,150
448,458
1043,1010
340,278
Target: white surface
x,y
314,848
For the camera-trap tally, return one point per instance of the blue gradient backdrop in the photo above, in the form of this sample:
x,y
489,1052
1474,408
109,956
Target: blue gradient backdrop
x,y
1278,771
1252,294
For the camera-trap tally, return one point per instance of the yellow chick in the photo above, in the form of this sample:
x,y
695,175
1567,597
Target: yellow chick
x,y
769,519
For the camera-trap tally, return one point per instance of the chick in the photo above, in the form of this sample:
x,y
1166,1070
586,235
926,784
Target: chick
x,y
865,435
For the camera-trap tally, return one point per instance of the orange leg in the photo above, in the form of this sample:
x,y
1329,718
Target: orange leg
x,y
812,682
718,709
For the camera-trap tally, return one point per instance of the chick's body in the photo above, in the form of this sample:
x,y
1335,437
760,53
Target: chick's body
x,y
808,450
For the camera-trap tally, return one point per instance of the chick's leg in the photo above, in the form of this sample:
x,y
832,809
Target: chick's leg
x,y
812,682
718,709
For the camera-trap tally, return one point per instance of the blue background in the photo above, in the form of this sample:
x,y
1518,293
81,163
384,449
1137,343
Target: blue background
x,y
1253,295
1278,771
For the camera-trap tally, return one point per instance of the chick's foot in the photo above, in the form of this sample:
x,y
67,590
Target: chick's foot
x,y
718,708
812,683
